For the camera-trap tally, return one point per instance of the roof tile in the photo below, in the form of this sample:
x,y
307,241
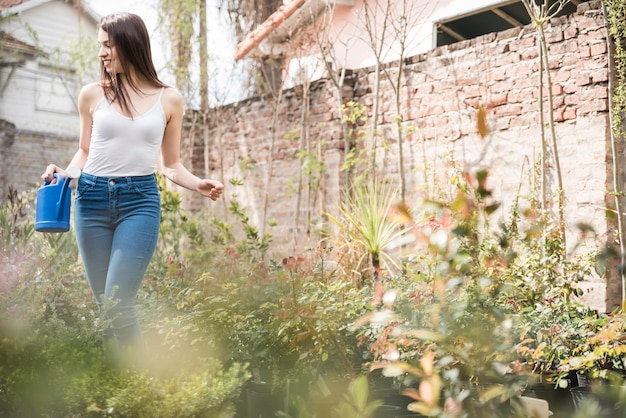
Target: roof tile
x,y
5,4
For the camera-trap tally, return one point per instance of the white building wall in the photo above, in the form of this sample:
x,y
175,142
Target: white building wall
x,y
41,95
351,40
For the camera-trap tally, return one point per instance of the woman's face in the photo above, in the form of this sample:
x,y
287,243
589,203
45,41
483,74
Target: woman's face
x,y
108,54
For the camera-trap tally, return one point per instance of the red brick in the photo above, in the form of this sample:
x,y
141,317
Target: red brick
x,y
497,100
508,110
583,79
569,114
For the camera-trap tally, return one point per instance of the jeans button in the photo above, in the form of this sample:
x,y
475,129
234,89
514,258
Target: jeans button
x,y
111,183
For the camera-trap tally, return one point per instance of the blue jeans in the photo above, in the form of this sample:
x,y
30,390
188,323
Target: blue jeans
x,y
117,226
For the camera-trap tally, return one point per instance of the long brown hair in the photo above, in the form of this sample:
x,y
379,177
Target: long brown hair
x,y
128,34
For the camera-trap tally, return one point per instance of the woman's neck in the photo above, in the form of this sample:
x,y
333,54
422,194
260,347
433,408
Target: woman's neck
x,y
133,82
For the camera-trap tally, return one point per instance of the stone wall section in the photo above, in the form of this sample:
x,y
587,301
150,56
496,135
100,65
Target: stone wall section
x,y
26,155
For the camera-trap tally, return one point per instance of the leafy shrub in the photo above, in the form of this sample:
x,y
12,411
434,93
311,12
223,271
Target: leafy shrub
x,y
53,361
454,328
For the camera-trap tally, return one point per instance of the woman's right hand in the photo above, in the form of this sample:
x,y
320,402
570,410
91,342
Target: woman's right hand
x,y
71,171
48,175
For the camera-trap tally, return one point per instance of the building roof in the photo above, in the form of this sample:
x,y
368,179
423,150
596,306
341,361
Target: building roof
x,y
5,4
10,43
286,15
17,6
271,23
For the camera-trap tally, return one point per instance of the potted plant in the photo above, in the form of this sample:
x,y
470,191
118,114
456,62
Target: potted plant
x,y
599,360
602,352
548,334
441,329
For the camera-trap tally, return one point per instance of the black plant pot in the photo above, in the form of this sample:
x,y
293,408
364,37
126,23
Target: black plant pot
x,y
394,404
261,402
387,411
601,395
582,379
559,399
580,393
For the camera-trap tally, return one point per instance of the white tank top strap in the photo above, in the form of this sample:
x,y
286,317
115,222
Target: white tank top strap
x,y
102,103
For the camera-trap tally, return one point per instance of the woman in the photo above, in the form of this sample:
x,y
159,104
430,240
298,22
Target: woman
x,y
126,118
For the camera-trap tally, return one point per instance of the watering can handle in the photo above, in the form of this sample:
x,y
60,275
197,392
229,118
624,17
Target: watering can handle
x,y
56,176
73,172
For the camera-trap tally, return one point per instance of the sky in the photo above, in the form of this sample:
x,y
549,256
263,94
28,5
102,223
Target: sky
x,y
145,8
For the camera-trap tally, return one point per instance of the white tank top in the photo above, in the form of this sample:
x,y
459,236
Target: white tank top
x,y
122,146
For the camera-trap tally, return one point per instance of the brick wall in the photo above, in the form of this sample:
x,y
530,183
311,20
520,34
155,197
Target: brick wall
x,y
27,155
441,92
7,137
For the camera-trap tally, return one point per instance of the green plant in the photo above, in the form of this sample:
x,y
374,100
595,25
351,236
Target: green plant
x,y
366,220
614,13
16,229
607,400
540,15
200,394
289,323
601,351
41,351
549,333
354,116
444,335
315,321
539,288
240,315
53,362
356,402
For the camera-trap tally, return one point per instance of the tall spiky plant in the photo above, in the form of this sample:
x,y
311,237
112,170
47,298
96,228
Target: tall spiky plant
x,y
366,219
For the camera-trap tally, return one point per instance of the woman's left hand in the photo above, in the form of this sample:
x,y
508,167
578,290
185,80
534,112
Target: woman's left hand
x,y
210,188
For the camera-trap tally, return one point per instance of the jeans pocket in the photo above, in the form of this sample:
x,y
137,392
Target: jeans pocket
x,y
84,185
149,191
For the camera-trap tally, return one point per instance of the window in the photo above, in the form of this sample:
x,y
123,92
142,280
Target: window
x,y
504,16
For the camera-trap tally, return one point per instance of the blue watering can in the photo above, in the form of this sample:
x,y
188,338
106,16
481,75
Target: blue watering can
x,y
53,206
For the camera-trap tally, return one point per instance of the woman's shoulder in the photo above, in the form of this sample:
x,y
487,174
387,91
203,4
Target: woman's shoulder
x,y
172,100
172,95
90,95
92,88
92,91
